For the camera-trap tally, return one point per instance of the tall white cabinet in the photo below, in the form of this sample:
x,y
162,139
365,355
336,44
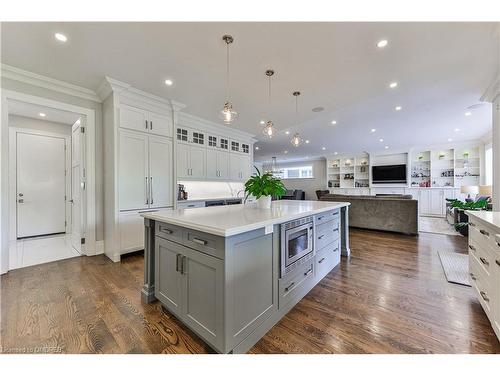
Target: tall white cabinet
x,y
139,163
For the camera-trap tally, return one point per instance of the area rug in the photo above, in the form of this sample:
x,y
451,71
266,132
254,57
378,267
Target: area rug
x,y
455,267
437,225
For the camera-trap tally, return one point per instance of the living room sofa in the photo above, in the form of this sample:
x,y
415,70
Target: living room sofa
x,y
394,213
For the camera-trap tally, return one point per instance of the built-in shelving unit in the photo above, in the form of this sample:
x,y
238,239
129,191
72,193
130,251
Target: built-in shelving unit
x,y
348,172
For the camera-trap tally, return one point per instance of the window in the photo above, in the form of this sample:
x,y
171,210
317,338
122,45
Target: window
x,y
305,171
488,165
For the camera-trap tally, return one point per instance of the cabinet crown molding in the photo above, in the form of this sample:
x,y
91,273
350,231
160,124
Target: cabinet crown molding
x,y
34,79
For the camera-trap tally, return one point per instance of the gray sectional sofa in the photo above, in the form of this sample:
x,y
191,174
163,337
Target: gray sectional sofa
x,y
394,213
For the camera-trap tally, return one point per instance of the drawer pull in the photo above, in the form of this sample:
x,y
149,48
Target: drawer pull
x,y
178,256
497,262
472,224
198,241
484,295
289,287
166,230
308,272
484,261
321,260
472,248
336,249
473,277
335,229
483,232
320,237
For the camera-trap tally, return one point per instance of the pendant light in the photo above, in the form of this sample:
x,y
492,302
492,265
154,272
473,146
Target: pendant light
x,y
269,128
296,139
228,114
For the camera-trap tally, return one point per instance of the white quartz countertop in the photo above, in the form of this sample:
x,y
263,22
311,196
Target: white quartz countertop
x,y
230,220
490,218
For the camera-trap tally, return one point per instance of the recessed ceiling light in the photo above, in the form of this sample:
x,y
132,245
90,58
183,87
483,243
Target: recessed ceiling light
x,y
334,122
381,140
373,130
307,140
262,122
169,82
382,43
393,85
386,147
41,114
286,151
256,147
323,148
456,129
398,108
287,132
468,113
61,37
335,153
449,139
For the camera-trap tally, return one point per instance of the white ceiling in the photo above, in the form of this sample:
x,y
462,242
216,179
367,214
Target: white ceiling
x,y
442,68
33,111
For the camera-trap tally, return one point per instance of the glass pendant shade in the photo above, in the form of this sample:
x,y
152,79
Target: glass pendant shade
x,y
227,114
296,140
269,129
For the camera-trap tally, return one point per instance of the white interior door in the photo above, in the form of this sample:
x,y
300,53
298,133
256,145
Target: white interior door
x,y
160,172
77,185
41,185
133,176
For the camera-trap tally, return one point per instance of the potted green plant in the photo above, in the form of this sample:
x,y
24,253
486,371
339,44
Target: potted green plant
x,y
263,187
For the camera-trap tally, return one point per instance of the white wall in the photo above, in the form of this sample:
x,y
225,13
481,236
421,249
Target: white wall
x,y
213,189
309,185
9,84
42,125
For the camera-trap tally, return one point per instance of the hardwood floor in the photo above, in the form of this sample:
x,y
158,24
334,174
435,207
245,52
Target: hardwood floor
x,y
389,297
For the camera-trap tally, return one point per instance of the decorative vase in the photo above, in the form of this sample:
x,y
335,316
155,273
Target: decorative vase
x,y
264,202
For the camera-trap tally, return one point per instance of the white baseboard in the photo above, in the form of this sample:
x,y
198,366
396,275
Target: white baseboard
x,y
99,247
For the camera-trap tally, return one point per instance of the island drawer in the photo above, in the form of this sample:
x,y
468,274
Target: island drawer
x,y
326,233
291,285
168,231
481,285
204,242
482,255
326,259
326,216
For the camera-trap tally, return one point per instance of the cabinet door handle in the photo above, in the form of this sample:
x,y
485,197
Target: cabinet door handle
x,y
473,277
484,261
308,272
146,121
497,262
147,190
483,232
321,260
166,230
151,189
472,224
183,265
289,287
472,248
320,237
177,257
484,295
150,125
200,242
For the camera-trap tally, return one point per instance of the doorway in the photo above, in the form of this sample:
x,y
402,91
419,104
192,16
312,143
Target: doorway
x,y
47,183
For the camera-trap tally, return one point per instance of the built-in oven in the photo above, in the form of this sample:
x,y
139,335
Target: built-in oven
x,y
296,243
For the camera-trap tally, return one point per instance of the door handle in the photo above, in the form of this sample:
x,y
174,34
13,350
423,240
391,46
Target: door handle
x,y
484,261
146,123
151,189
321,260
484,295
71,201
320,237
21,194
183,265
473,277
151,125
497,262
484,233
308,272
472,248
177,257
21,200
289,287
147,190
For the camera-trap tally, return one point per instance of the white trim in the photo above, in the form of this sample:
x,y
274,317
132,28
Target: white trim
x,y
13,131
38,80
99,247
90,241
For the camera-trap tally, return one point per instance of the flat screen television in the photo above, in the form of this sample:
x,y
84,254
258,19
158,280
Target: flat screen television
x,y
389,174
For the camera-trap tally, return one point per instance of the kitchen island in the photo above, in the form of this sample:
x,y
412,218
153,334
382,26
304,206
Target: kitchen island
x,y
230,273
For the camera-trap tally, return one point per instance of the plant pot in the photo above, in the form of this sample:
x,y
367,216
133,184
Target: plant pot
x,y
264,202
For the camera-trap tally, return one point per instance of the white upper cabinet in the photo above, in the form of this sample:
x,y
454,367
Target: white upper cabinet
x,y
217,164
133,118
182,161
133,171
223,164
191,161
239,167
160,171
160,124
145,121
212,169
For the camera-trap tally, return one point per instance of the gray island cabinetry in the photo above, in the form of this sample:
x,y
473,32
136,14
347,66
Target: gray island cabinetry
x,y
230,273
